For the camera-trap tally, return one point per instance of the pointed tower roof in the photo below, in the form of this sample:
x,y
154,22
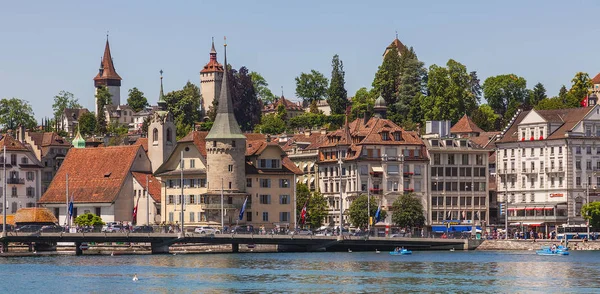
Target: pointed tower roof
x,y
78,141
395,43
212,65
161,96
465,125
107,67
225,125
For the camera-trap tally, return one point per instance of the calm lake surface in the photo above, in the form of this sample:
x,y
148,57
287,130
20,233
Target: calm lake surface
x,y
423,272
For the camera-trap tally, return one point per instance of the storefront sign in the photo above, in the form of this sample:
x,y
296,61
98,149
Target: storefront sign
x,y
556,195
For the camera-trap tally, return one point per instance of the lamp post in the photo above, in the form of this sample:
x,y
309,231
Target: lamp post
x,y
341,198
506,208
182,196
147,202
368,205
4,203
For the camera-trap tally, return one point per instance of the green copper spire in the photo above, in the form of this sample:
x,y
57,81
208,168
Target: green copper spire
x,y
225,125
162,104
78,141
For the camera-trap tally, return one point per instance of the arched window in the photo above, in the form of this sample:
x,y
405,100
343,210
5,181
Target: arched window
x,y
155,135
169,135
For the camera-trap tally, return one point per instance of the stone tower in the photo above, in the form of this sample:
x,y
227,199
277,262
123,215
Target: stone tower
x,y
107,76
161,132
226,147
211,77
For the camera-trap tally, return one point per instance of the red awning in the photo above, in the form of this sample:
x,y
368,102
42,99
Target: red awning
x,y
529,208
539,208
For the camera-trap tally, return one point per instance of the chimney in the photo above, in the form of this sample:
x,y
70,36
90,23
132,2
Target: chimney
x,y
365,118
21,133
307,132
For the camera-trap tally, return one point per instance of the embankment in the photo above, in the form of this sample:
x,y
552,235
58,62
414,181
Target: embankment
x,y
535,245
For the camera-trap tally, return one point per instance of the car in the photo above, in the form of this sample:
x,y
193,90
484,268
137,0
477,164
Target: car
x,y
29,228
304,232
206,230
243,229
51,229
114,229
143,229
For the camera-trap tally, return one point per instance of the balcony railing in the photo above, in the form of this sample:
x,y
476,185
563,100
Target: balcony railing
x,y
17,181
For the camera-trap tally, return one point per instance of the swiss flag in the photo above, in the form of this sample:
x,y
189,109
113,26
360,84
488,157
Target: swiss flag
x,y
584,102
303,214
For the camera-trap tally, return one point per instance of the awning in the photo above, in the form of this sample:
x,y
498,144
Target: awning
x,y
377,169
453,229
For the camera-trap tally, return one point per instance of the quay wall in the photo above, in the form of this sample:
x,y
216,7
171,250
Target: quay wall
x,y
535,245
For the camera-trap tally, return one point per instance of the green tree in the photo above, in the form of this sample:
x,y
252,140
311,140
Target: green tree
x,y
270,124
536,95
88,219
64,100
337,94
475,86
562,94
15,112
261,88
308,121
580,87
358,213
362,103
185,106
387,77
591,212
87,123
485,117
551,103
316,206
407,211
311,86
136,99
504,93
409,88
281,112
103,98
314,107
246,105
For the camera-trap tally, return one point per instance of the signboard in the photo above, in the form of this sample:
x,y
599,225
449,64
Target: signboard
x,y
557,194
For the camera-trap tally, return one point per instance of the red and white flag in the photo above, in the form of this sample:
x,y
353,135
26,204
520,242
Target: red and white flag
x,y
303,214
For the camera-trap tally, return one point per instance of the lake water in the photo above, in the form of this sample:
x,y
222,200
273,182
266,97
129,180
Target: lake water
x,y
422,272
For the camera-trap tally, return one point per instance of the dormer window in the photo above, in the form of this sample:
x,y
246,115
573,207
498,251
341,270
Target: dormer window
x,y
397,136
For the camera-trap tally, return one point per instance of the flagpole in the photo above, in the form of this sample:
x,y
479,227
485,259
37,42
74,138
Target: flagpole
x,y
222,222
295,204
67,195
182,197
4,198
368,206
147,202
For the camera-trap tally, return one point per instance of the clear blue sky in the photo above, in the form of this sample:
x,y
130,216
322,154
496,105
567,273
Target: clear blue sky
x,y
49,46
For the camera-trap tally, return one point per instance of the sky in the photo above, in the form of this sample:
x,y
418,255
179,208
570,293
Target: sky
x,y
49,46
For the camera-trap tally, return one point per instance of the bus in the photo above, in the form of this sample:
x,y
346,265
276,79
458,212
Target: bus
x,y
570,232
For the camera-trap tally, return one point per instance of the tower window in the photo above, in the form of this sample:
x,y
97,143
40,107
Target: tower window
x,y
155,135
230,167
233,143
214,143
169,135
229,185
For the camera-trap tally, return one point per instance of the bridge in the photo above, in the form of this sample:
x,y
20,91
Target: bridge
x,y
160,242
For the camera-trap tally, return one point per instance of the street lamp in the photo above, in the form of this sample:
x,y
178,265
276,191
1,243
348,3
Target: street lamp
x,y
340,162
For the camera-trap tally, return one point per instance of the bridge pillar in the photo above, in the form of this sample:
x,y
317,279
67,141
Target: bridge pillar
x,y
78,250
235,248
159,248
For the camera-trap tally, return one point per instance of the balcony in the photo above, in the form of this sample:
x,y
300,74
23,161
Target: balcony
x,y
15,181
225,206
408,190
408,173
376,191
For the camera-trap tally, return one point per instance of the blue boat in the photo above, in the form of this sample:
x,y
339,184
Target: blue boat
x,y
401,252
547,250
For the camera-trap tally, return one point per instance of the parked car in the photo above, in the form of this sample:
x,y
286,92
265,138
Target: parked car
x,y
243,229
304,232
114,229
142,229
206,230
51,229
28,228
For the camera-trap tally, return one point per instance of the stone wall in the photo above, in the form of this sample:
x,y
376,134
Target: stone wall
x,y
535,245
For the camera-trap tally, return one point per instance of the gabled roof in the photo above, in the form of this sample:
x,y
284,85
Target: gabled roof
x,y
289,105
46,140
596,79
256,147
396,43
73,114
142,142
34,215
568,118
11,144
96,175
465,125
108,72
484,139
314,141
153,184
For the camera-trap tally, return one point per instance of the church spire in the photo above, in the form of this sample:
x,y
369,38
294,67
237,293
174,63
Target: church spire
x,y
213,52
162,104
107,72
225,125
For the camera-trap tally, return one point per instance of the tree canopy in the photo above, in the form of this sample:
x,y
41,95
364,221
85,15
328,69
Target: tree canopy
x,y
246,105
407,109
505,93
87,123
88,219
591,212
316,206
136,100
311,86
551,103
580,85
185,106
261,88
387,77
358,213
536,95
337,94
64,100
407,211
15,112
270,124
103,98
485,118
362,103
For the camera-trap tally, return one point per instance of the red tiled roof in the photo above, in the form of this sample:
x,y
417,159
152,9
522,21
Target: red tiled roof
x,y
315,140
142,142
34,215
46,140
154,183
212,66
109,72
568,117
11,144
396,43
96,175
596,79
465,125
289,105
484,138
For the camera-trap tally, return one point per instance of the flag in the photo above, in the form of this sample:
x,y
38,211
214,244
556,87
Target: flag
x,y
464,215
378,214
477,215
135,209
70,208
584,102
241,216
303,213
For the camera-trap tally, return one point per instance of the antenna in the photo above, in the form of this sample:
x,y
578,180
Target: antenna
x,y
396,34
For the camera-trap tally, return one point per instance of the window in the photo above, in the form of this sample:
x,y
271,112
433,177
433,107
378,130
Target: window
x,y
13,159
284,216
24,160
14,192
192,163
155,135
249,216
192,216
265,199
169,135
578,181
385,136
214,143
265,216
437,159
578,164
249,182
465,159
393,169
29,176
170,199
30,191
232,143
542,151
450,158
284,199
202,183
559,149
284,183
479,159
265,183
230,168
417,170
588,149
588,165
171,216
192,199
